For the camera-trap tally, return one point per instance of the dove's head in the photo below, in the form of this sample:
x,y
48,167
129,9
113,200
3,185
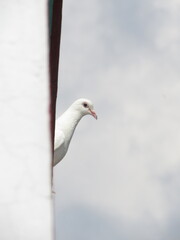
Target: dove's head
x,y
85,107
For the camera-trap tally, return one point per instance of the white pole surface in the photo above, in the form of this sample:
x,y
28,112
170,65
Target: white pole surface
x,y
25,155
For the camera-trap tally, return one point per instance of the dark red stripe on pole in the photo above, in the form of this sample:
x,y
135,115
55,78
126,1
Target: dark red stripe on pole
x,y
54,59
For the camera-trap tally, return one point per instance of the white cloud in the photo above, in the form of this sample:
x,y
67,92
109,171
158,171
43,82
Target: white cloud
x,y
125,164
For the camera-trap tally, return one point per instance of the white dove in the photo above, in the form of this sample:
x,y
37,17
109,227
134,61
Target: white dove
x,y
66,124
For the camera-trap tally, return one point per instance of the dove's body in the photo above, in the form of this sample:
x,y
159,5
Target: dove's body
x,y
66,124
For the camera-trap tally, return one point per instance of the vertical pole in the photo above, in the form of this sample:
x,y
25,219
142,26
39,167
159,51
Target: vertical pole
x,y
25,144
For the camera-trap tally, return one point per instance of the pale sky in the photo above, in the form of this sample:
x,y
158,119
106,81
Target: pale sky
x,y
121,176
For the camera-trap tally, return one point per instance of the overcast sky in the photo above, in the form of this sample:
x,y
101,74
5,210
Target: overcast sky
x,y
121,176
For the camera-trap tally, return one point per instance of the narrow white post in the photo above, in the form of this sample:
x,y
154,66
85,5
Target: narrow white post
x,y
25,149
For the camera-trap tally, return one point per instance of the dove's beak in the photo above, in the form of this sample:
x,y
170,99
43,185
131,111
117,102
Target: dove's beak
x,y
93,113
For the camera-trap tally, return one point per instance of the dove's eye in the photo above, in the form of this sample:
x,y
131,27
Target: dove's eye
x,y
85,105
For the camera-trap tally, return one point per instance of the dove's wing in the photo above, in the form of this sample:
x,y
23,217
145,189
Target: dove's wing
x,y
59,150
58,139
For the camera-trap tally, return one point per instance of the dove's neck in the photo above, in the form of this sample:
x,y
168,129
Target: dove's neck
x,y
69,122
